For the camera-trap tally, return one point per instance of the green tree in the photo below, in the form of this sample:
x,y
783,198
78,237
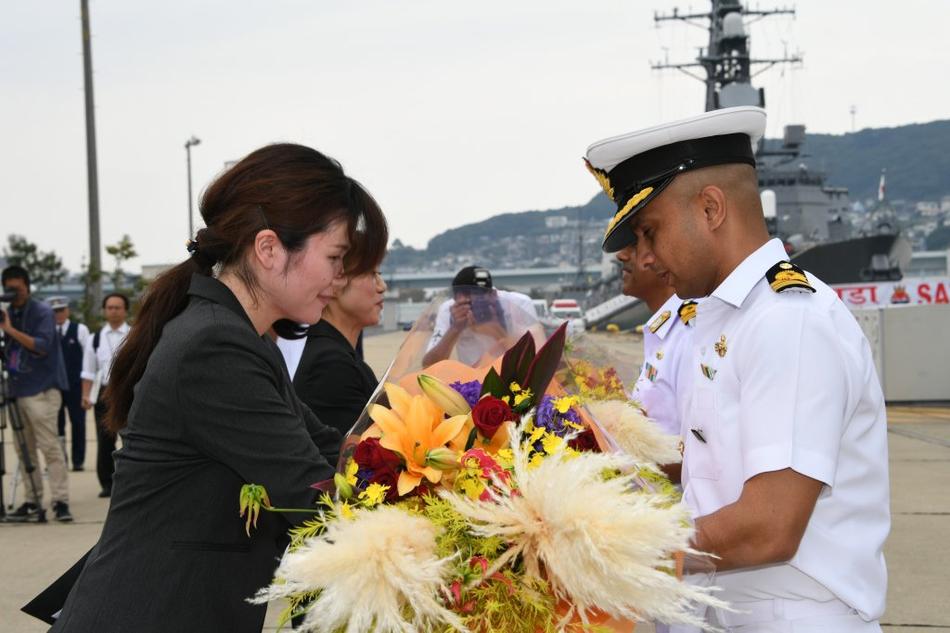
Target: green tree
x,y
45,267
121,251
89,313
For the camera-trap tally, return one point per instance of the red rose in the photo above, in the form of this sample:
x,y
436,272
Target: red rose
x,y
489,414
585,441
371,455
386,477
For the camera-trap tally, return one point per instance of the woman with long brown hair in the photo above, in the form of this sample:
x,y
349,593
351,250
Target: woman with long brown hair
x,y
204,404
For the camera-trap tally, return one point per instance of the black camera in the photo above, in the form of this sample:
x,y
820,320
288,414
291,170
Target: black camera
x,y
5,298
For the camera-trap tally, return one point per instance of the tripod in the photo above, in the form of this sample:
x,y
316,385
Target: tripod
x,y
10,409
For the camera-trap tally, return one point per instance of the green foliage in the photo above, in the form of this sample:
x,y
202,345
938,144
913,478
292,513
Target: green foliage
x,y
45,267
122,251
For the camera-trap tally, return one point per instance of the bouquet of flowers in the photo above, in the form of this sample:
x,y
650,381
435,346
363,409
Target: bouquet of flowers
x,y
517,496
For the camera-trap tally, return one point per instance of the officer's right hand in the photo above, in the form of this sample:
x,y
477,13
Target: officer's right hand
x,y
462,316
86,404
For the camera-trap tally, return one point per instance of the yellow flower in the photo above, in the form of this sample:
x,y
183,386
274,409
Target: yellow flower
x,y
505,458
413,427
565,403
514,387
521,396
345,511
374,495
551,443
351,468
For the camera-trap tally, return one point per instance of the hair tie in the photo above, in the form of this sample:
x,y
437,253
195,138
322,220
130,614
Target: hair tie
x,y
192,246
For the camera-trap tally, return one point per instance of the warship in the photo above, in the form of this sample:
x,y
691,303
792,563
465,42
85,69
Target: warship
x,y
812,217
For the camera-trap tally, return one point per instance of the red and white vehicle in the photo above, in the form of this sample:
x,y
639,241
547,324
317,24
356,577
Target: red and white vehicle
x,y
569,310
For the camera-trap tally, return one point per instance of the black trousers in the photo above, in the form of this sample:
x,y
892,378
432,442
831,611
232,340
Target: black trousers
x,y
105,439
72,404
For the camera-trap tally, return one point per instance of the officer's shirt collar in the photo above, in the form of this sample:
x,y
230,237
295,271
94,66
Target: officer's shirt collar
x,y
672,305
737,286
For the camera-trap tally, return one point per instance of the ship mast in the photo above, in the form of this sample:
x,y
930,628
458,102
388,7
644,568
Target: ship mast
x,y
726,60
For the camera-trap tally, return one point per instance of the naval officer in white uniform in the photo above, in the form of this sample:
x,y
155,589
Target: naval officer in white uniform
x,y
785,461
666,340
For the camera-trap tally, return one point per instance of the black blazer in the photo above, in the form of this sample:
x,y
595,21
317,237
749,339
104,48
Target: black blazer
x,y
214,410
331,379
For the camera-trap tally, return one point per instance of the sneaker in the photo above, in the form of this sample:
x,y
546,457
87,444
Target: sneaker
x,y
61,511
26,512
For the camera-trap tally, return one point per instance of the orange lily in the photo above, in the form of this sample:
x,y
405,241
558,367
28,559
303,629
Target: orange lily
x,y
413,427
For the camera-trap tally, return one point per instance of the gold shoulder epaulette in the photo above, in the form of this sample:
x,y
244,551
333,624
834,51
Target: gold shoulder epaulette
x,y
785,276
687,311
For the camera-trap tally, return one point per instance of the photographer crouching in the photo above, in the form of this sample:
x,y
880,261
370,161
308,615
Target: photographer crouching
x,y
37,374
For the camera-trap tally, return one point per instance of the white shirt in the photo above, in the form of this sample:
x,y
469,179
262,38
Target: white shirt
x,y
291,350
786,380
94,361
82,332
519,312
659,384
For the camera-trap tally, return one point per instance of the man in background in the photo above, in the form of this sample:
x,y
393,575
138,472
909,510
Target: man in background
x,y
73,338
96,367
480,322
37,377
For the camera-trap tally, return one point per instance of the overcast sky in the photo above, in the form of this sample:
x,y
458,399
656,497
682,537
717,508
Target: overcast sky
x,y
449,112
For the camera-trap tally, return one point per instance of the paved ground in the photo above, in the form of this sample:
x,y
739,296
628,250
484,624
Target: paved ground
x,y
918,551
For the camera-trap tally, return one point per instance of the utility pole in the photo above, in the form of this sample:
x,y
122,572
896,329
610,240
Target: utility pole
x,y
95,259
194,140
854,110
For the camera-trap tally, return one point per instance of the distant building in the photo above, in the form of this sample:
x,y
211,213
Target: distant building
x,y
555,222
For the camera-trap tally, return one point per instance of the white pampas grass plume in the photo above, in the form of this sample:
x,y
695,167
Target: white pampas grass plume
x,y
634,433
600,544
371,571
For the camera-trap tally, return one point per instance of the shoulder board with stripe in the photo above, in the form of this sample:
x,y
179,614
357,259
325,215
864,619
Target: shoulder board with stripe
x,y
785,276
687,311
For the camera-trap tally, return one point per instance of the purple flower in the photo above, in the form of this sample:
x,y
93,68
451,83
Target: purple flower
x,y
469,390
551,419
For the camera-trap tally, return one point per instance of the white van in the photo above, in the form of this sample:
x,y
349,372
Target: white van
x,y
567,310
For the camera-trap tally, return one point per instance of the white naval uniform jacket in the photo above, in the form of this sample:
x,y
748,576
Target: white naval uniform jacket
x,y
786,380
659,383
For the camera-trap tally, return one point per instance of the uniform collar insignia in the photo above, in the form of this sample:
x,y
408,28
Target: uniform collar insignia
x,y
658,322
785,276
687,311
720,346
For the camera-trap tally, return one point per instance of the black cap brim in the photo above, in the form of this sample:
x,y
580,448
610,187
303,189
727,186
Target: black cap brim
x,y
620,230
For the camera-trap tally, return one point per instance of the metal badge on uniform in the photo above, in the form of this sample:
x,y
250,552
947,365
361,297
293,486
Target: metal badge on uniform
x,y
708,371
659,355
650,372
658,322
720,346
698,434
681,447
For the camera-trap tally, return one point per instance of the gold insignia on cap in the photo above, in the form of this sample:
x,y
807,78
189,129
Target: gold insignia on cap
x,y
785,276
720,346
602,178
658,322
687,311
621,215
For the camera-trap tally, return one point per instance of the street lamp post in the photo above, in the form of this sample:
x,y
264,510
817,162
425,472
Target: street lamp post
x,y
194,140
